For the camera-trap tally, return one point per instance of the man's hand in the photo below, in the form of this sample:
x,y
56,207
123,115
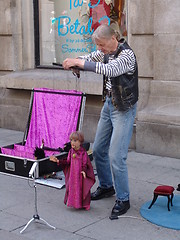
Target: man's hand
x,y
73,62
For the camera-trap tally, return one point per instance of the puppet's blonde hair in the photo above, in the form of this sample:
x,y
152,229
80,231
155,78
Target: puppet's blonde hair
x,y
77,135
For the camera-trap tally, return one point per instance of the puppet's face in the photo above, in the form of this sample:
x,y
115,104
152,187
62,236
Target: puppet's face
x,y
75,144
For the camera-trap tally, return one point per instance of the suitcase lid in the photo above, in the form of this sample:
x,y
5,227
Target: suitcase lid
x,y
53,115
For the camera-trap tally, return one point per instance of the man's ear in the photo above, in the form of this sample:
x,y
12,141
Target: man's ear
x,y
114,37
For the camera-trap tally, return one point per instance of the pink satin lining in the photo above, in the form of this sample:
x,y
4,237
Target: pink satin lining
x,y
54,116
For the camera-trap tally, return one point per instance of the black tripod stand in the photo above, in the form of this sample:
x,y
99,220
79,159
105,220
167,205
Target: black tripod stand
x,y
35,217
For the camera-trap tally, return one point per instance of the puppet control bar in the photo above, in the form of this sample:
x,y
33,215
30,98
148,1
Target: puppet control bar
x,y
77,74
61,66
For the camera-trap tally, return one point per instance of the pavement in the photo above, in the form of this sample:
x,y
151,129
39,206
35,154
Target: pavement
x,y
17,204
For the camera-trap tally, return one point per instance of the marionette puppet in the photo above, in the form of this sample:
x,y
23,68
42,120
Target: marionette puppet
x,y
79,174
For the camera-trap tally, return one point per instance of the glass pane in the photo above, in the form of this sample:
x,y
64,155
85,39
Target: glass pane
x,y
66,26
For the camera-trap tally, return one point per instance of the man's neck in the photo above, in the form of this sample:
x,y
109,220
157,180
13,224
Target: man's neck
x,y
114,48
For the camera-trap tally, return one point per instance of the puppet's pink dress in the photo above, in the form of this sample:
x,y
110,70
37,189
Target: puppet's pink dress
x,y
77,188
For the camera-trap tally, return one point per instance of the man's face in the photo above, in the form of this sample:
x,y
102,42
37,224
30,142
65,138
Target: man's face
x,y
106,45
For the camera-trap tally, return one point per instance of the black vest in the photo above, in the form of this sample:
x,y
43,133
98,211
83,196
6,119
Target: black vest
x,y
124,87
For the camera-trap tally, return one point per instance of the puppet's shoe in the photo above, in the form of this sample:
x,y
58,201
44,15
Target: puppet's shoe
x,y
119,209
87,208
102,193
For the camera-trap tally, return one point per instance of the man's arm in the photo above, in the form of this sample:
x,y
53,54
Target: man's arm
x,y
124,63
96,56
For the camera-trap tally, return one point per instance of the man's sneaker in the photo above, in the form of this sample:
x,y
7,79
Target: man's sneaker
x,y
102,193
119,208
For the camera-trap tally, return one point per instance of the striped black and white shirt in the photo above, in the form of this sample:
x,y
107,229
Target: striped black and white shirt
x,y
125,62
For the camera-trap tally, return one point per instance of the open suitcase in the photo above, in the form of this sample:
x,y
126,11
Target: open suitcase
x,y
53,115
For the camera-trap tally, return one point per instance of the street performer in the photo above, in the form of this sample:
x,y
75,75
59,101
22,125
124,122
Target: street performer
x,y
116,61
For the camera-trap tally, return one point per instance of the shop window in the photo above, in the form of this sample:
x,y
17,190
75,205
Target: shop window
x,y
63,28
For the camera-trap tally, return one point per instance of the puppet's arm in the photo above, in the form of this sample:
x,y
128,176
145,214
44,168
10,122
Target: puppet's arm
x,y
84,174
58,161
84,164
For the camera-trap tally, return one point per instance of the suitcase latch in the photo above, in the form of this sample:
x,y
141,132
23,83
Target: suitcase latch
x,y
10,166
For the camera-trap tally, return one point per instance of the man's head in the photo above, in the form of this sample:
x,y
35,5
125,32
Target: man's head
x,y
105,39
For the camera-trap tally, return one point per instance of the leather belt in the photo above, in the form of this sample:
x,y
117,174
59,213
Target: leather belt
x,y
109,93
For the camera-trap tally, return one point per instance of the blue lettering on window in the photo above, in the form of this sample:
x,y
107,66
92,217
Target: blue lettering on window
x,y
105,17
93,6
75,4
66,26
73,28
67,49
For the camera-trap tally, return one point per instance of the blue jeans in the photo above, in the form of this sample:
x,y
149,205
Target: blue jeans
x,y
110,149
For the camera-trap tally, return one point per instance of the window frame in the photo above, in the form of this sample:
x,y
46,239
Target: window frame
x,y
36,33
